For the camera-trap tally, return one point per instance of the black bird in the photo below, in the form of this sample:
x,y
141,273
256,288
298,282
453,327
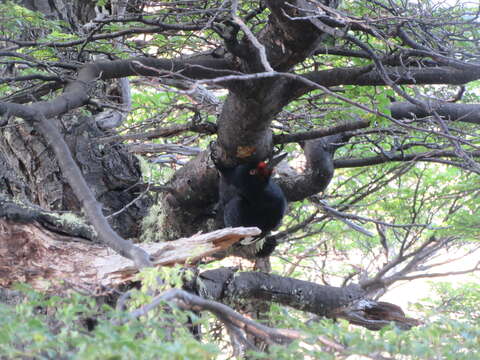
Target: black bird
x,y
250,197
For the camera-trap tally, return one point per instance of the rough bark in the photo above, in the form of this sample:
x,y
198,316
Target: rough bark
x,y
189,207
243,126
109,169
349,302
33,165
226,285
113,174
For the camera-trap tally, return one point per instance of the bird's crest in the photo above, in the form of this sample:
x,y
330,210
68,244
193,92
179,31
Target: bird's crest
x,y
264,170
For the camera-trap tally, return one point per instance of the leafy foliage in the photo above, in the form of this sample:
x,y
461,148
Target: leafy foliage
x,y
76,327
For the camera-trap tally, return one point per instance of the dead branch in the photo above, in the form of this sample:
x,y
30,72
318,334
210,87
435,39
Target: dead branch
x,y
237,323
33,254
188,301
374,315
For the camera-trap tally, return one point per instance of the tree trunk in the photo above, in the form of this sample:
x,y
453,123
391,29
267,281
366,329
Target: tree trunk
x,y
72,12
30,170
112,172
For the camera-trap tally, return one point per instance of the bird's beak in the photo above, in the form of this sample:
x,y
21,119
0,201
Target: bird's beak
x,y
276,160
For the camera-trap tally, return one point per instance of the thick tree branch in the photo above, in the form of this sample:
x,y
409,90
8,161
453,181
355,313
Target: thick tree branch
x,y
226,285
243,125
469,113
30,77
288,41
37,254
258,129
262,54
430,156
367,76
67,225
76,93
319,170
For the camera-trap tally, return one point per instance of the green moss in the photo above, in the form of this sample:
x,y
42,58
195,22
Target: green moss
x,y
70,218
156,227
150,225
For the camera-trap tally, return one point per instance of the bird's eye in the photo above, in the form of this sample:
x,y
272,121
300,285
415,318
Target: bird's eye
x,y
253,172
